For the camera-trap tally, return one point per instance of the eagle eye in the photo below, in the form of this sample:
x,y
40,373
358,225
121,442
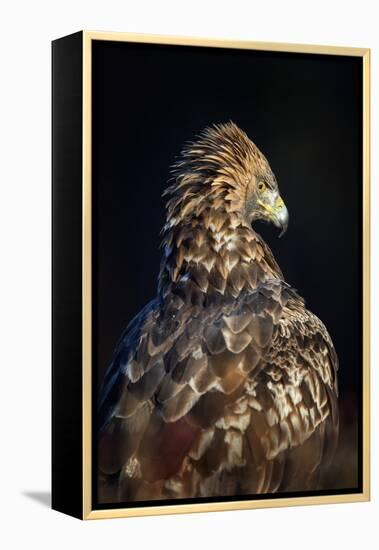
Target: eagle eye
x,y
261,186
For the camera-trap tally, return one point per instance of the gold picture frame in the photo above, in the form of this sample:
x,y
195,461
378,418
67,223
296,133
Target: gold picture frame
x,y
87,511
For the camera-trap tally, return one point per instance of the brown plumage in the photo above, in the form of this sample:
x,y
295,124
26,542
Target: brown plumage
x,y
225,384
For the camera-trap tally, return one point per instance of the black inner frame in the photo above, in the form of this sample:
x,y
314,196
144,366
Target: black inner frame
x,y
95,374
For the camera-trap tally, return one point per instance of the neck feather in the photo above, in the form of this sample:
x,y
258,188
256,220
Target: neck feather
x,y
218,252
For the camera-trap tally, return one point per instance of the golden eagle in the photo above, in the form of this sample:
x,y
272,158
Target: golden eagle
x,y
224,384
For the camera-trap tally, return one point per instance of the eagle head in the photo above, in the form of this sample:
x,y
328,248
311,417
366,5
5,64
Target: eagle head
x,y
224,170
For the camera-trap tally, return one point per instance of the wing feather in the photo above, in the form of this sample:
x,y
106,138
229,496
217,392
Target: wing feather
x,y
244,387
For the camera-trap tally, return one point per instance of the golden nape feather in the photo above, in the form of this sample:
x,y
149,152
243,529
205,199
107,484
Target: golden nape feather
x,y
225,384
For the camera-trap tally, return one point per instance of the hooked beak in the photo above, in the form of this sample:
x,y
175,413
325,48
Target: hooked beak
x,y
280,219
277,213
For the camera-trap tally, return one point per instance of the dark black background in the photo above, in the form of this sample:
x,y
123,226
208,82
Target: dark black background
x,y
303,111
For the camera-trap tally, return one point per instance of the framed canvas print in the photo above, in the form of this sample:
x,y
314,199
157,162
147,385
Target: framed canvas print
x,y
199,361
